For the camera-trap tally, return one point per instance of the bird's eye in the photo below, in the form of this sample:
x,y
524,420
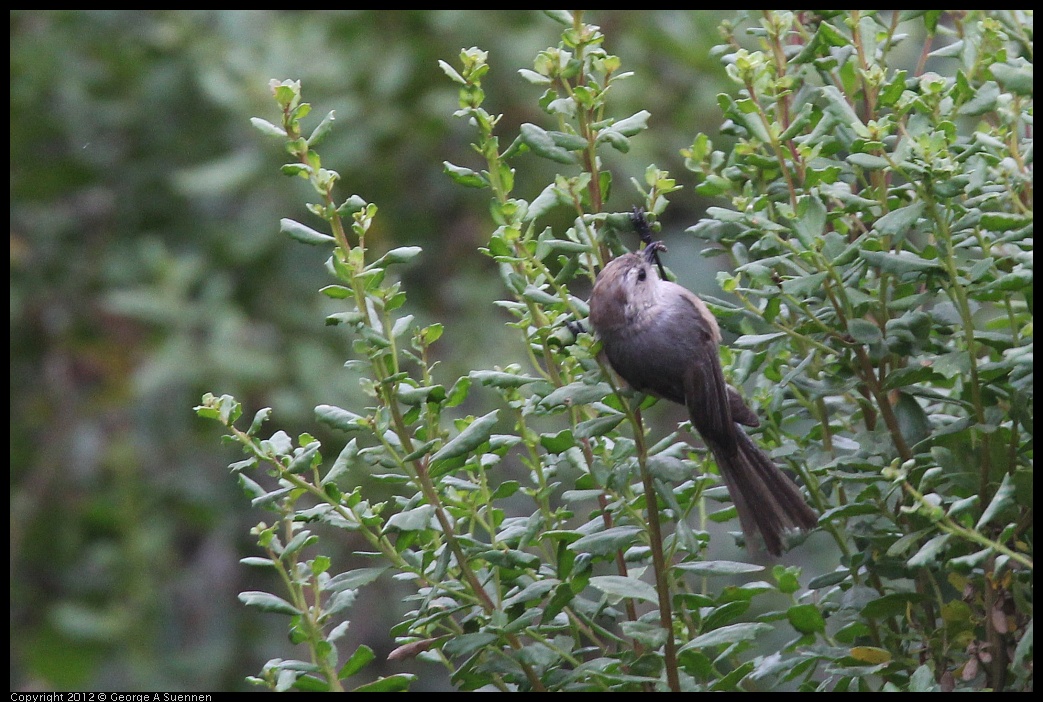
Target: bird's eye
x,y
642,274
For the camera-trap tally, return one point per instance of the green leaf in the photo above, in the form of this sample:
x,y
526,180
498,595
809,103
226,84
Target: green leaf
x,y
617,141
806,618
719,568
1005,497
343,463
829,579
864,332
810,222
419,451
540,297
984,100
303,460
354,579
465,176
563,17
716,617
466,645
267,602
418,519
476,433
839,107
320,565
618,586
546,245
930,552
359,659
608,541
598,426
451,72
1015,77
337,292
913,421
899,263
225,408
891,605
252,488
511,558
279,443
806,285
401,326
260,418
321,131
563,595
558,443
798,123
788,579
632,125
506,489
499,379
402,254
268,128
410,395
872,655
571,142
549,197
728,635
752,341
897,222
534,77
301,540
350,206
542,144
338,418
868,161
393,683
431,333
922,680
578,393
458,393
257,562
303,233
1004,221
308,683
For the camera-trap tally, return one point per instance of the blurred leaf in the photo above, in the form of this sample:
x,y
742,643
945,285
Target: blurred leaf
x,y
806,618
618,586
267,602
542,144
900,263
704,568
476,433
304,234
417,519
359,660
1001,501
399,682
606,542
728,635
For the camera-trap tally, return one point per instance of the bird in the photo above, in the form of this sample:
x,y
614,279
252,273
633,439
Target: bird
x,y
662,340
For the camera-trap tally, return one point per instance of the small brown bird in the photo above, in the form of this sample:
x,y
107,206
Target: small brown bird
x,y
662,340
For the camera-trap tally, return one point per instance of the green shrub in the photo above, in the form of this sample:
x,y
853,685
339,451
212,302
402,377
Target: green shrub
x,y
879,216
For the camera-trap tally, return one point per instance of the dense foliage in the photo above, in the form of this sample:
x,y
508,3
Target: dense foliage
x,y
880,219
474,497
147,267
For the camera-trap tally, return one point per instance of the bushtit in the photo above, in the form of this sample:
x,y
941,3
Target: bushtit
x,y
662,340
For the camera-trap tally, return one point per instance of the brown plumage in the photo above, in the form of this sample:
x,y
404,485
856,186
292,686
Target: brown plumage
x,y
661,339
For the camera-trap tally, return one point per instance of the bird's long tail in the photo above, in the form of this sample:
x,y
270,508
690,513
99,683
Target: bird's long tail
x,y
767,500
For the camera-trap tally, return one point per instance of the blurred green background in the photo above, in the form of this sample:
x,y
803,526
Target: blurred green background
x,y
147,268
